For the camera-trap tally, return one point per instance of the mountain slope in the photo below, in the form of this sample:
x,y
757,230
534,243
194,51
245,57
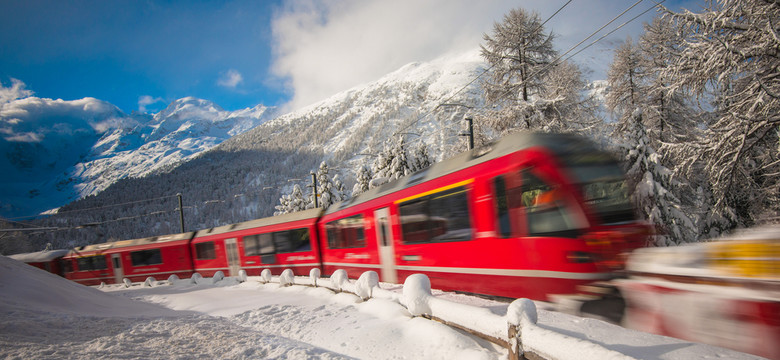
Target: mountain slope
x,y
243,177
58,151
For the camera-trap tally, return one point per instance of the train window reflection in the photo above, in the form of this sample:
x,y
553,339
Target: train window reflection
x,y
346,233
91,263
292,240
205,251
605,192
547,212
146,257
266,244
439,217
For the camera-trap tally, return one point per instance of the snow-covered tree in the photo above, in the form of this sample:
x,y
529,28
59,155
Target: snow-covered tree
x,y
329,189
730,52
518,51
668,115
625,95
292,202
528,87
563,104
653,188
391,164
421,159
362,180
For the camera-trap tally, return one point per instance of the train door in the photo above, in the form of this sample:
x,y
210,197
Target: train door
x,y
385,244
231,251
116,262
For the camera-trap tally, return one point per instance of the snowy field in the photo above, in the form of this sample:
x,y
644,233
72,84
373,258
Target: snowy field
x,y
43,316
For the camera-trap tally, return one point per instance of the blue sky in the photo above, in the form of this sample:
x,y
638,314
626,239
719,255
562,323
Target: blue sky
x,y
120,51
141,55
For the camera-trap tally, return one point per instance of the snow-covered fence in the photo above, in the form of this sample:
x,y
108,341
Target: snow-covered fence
x,y
517,331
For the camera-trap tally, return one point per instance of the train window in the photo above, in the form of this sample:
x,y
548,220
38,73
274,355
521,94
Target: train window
x,y
502,206
346,233
414,221
251,245
282,241
67,265
292,240
547,212
266,244
146,257
205,251
605,191
89,263
443,216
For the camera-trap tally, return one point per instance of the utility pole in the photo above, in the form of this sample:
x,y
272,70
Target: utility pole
x,y
314,184
470,134
181,212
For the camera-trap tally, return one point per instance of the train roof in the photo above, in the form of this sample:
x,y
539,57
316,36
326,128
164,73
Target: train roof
x,y
274,220
39,256
136,242
559,144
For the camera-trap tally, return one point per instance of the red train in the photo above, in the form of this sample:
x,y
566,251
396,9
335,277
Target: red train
x,y
532,215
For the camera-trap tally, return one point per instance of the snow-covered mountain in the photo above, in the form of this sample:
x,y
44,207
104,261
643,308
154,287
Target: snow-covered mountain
x,y
243,177
58,151
184,129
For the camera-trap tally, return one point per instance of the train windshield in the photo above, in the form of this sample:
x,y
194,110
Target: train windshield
x,y
604,189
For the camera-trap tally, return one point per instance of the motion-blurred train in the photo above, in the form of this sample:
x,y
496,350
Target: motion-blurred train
x,y
532,215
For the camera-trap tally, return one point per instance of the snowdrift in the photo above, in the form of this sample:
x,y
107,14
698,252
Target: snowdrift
x,y
25,288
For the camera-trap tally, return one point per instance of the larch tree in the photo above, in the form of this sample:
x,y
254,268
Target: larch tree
x,y
652,185
519,52
669,115
730,52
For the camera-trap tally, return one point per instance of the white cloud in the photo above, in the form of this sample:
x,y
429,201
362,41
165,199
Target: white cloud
x,y
33,119
322,47
16,91
230,79
146,100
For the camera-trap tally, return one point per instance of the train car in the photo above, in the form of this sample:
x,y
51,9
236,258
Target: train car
x,y
532,215
137,259
724,292
48,260
275,243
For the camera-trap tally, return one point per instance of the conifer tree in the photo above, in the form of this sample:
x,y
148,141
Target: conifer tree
x,y
730,52
363,178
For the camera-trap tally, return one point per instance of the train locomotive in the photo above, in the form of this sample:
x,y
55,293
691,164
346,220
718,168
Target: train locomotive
x,y
532,215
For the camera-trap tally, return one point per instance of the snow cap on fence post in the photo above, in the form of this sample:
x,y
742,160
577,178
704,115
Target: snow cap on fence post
x,y
242,276
265,276
338,278
364,287
314,274
520,314
417,291
127,282
218,276
173,279
287,278
195,277
149,281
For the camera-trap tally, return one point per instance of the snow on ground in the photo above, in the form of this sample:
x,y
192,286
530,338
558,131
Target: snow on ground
x,y
43,316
